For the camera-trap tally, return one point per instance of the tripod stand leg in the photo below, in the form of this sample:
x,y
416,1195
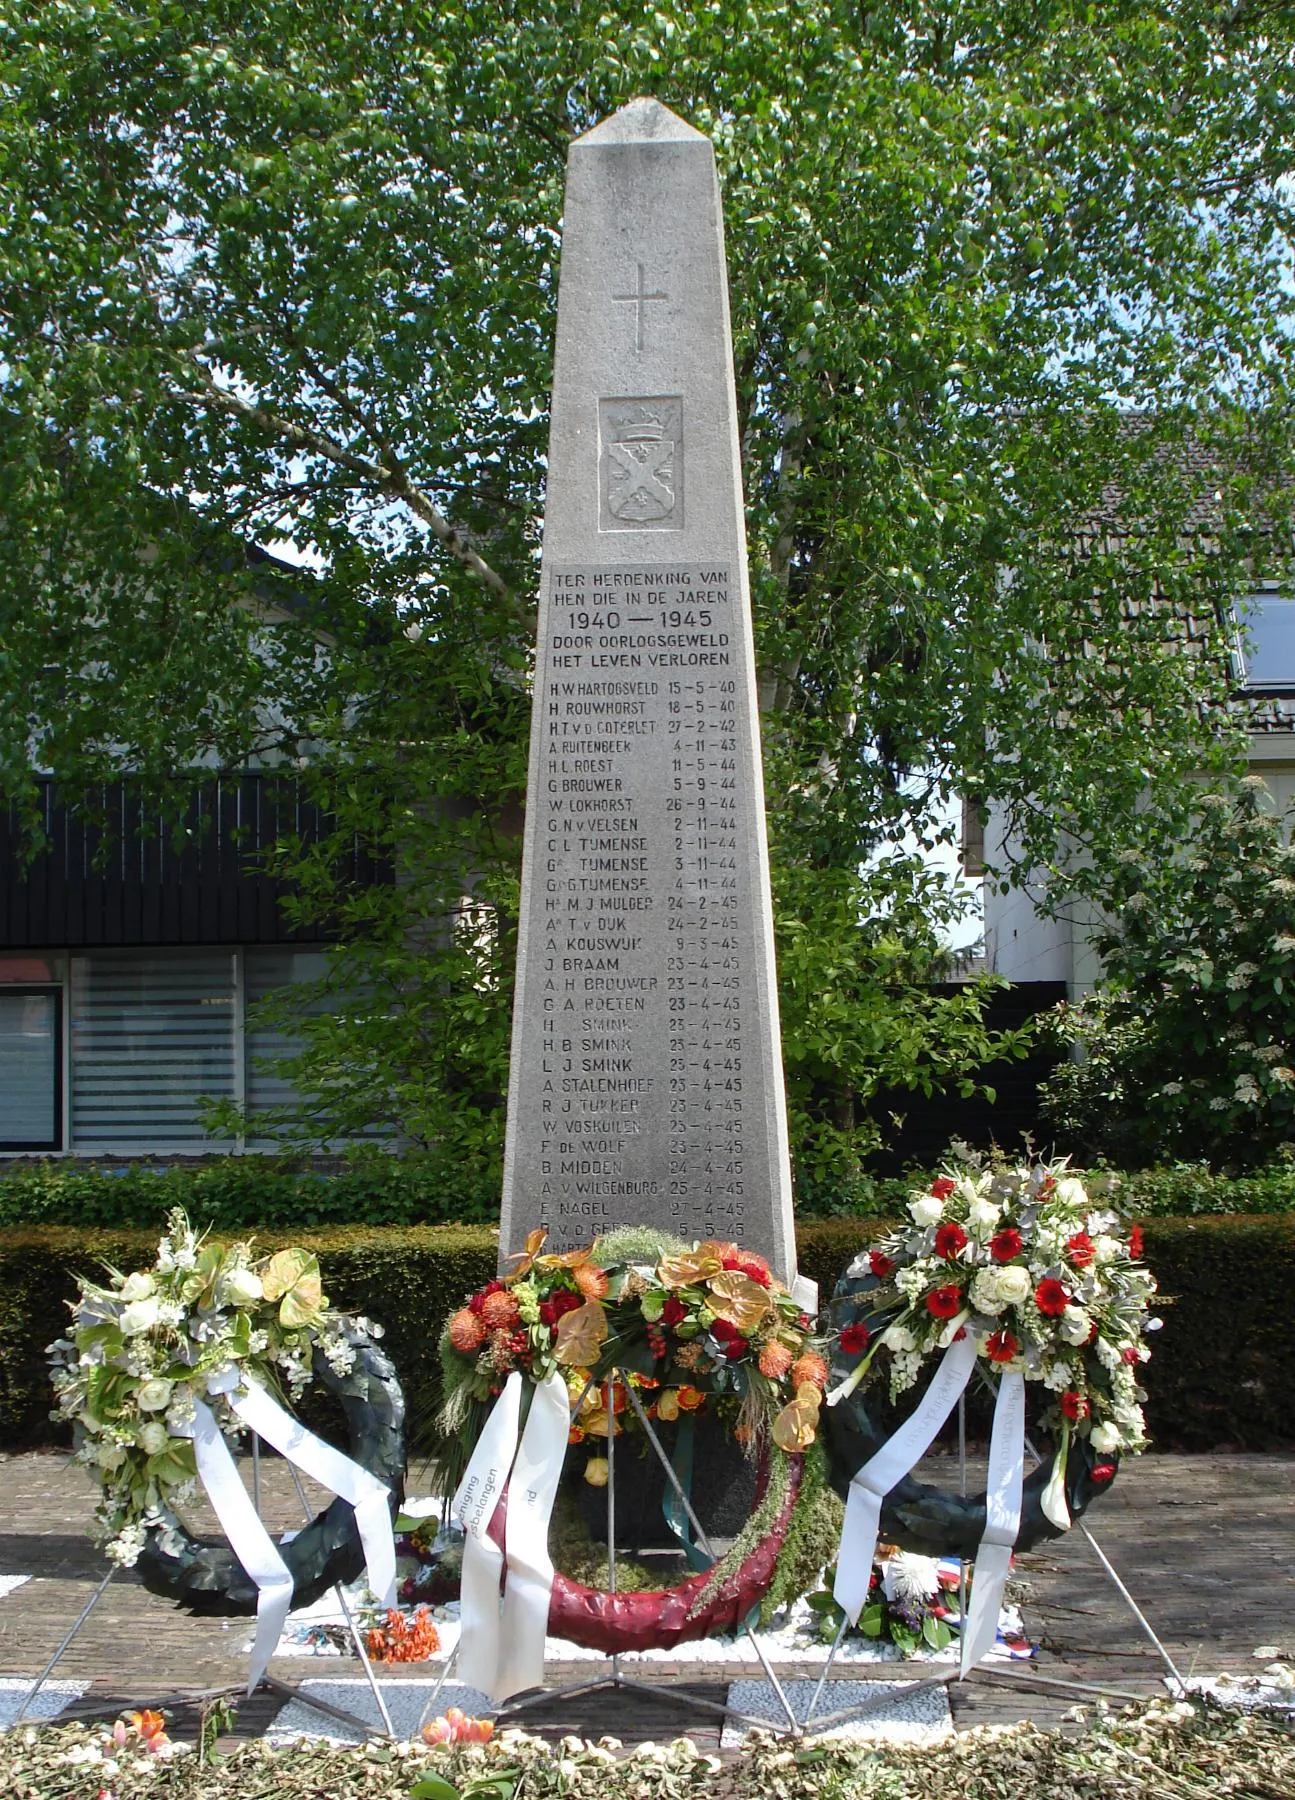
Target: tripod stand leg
x,y
57,1657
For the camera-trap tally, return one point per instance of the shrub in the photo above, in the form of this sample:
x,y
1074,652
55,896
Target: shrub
x,y
1223,1366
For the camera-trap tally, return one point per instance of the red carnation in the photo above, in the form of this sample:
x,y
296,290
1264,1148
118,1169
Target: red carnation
x,y
942,1187
944,1302
1081,1249
950,1240
1073,1405
854,1338
1001,1347
674,1312
1005,1244
559,1302
1051,1297
750,1265
881,1266
1135,1242
1102,1472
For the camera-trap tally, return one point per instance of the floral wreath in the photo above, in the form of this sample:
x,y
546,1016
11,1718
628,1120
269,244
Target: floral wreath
x,y
1049,1284
143,1348
688,1327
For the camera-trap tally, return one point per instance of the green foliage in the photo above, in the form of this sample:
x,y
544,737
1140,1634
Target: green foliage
x,y
1188,1050
297,265
1206,1385
812,1538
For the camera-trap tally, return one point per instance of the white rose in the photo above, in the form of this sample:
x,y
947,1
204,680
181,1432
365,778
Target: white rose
x,y
137,1287
898,1337
1105,1438
140,1315
927,1210
1071,1192
982,1214
1013,1284
986,1291
1076,1326
153,1437
154,1395
1108,1248
241,1287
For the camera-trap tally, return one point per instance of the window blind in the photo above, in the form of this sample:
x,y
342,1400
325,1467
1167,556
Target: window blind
x,y
28,1072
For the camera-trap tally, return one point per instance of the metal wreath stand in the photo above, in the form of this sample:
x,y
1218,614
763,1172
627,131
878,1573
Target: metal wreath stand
x,y
664,1693
289,1690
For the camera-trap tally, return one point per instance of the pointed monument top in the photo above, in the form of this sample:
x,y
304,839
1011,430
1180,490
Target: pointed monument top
x,y
642,121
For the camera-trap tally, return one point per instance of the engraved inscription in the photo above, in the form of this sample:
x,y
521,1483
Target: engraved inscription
x,y
640,1000
639,299
640,464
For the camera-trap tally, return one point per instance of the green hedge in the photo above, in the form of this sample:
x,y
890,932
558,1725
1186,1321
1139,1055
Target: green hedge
x,y
1222,1373
243,1193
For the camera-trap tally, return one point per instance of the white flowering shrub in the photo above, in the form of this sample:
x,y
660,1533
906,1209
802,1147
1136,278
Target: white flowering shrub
x,y
1187,1052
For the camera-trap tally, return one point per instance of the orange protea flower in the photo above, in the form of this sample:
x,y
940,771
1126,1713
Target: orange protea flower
x,y
499,1312
690,1398
403,1640
809,1367
467,1333
775,1360
591,1280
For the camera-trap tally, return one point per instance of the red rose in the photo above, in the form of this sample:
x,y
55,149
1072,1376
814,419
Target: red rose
x,y
561,1301
1005,1244
1102,1472
735,1347
950,1239
881,1266
1081,1249
1001,1347
854,1338
674,1312
1135,1243
944,1302
723,1331
1051,1297
942,1187
1073,1405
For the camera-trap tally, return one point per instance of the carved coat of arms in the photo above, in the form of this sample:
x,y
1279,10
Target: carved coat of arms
x,y
641,464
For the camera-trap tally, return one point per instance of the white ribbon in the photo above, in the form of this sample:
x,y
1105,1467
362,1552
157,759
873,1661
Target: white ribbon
x,y
528,1586
870,1485
474,1506
241,1523
369,1497
1002,1520
248,1538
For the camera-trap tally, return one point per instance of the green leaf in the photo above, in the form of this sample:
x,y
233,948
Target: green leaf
x,y
433,1787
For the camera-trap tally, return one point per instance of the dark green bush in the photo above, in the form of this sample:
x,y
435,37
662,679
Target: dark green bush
x,y
1222,1371
255,1193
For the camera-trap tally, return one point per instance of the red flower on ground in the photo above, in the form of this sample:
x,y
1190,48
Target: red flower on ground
x,y
1101,1473
1135,1242
1001,1347
881,1266
561,1301
950,1239
1006,1244
854,1338
674,1312
944,1302
942,1187
1081,1249
1051,1297
1073,1405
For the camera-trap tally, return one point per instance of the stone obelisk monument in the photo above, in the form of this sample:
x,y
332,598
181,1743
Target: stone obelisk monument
x,y
646,1081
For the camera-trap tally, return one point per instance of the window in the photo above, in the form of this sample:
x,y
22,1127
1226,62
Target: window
x,y
1268,658
31,1067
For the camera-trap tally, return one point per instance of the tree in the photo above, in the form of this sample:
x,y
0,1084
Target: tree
x,y
288,270
1187,1053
